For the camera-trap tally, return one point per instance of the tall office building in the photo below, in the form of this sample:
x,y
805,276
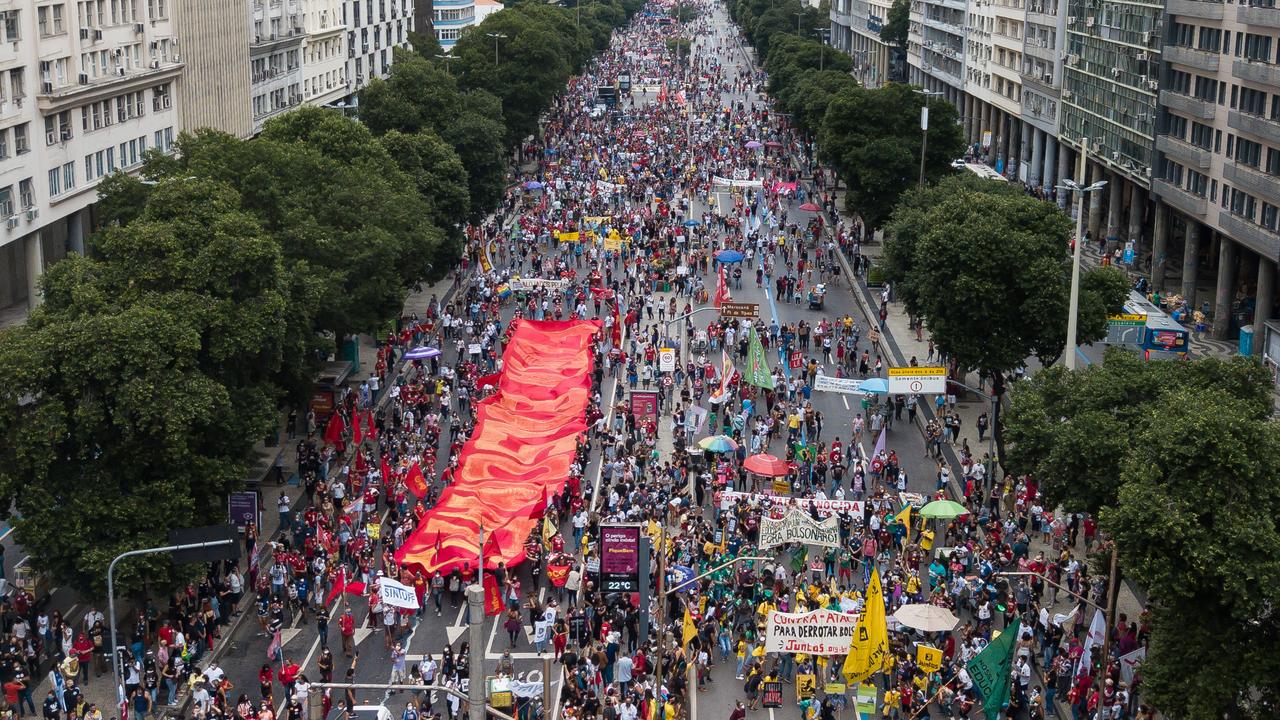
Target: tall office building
x,y
1217,157
374,29
85,88
855,29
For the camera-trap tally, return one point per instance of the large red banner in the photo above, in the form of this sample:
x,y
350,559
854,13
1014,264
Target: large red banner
x,y
519,454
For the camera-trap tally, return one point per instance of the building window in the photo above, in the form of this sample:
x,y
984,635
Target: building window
x,y
57,128
158,9
1177,127
9,23
1257,47
6,201
21,142
4,144
161,99
1248,152
62,179
1253,102
1197,183
51,20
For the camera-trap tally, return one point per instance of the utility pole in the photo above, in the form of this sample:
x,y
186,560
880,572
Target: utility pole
x,y
1073,309
496,37
924,129
475,637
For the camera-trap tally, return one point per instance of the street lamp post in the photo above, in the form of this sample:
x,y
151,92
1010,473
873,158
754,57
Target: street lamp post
x,y
111,598
496,37
824,35
924,128
1073,309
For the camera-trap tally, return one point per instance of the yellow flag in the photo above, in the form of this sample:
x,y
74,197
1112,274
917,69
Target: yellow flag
x,y
905,518
928,658
690,630
548,531
871,639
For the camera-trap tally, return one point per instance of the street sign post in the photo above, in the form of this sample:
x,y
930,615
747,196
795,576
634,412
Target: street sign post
x,y
740,310
620,558
666,359
917,380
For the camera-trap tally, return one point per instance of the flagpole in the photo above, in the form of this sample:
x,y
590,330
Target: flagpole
x,y
934,697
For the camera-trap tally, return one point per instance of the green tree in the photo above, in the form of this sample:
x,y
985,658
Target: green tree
x,y
1195,524
873,139
973,260
1074,430
133,396
438,173
894,31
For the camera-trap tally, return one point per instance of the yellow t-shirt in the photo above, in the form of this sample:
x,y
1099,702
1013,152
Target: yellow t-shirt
x,y
892,699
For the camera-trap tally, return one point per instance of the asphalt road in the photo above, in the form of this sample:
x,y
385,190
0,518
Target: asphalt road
x,y
432,633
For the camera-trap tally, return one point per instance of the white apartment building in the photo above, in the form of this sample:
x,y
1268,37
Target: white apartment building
x,y
324,64
295,55
374,29
86,86
855,29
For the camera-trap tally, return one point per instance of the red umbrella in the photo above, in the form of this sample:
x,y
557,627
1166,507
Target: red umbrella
x,y
810,207
766,465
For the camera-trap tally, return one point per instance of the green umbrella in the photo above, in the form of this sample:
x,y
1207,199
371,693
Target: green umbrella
x,y
944,509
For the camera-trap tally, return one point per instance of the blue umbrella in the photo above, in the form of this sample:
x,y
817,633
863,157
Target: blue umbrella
x,y
729,256
422,353
692,222
876,386
533,185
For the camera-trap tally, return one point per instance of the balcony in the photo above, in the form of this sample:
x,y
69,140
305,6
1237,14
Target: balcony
x,y
1193,205
1198,59
1256,71
1187,105
275,41
1268,130
1262,16
1259,184
1254,236
69,96
1195,9
1184,152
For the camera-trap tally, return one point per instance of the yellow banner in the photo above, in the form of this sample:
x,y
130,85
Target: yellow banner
x,y
806,685
597,218
871,639
567,237
929,659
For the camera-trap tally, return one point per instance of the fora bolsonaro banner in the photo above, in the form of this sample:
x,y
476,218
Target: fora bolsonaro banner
x,y
797,526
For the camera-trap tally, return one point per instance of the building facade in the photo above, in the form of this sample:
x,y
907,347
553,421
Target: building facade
x,y
855,29
1174,103
449,18
374,29
1217,158
85,89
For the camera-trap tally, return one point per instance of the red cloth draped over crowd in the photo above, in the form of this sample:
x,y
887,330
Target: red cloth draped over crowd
x,y
519,454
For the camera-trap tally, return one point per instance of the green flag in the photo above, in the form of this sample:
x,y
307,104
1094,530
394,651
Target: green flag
x,y
799,558
757,372
992,670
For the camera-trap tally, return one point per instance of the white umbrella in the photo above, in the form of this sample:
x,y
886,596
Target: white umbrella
x,y
929,618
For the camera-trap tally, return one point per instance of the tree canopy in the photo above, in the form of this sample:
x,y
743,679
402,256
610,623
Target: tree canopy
x,y
969,256
873,138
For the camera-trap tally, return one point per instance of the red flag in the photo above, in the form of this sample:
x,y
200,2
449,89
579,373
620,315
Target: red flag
x,y
386,472
361,466
722,288
333,431
492,596
338,585
415,481
372,430
356,437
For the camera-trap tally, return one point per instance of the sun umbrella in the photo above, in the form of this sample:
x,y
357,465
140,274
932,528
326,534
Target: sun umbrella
x,y
876,386
729,256
810,207
928,618
691,222
533,185
718,444
766,465
773,143
944,509
422,353
753,145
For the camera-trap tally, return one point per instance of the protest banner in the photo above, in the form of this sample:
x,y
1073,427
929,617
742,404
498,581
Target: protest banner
x,y
797,526
820,632
824,507
397,595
